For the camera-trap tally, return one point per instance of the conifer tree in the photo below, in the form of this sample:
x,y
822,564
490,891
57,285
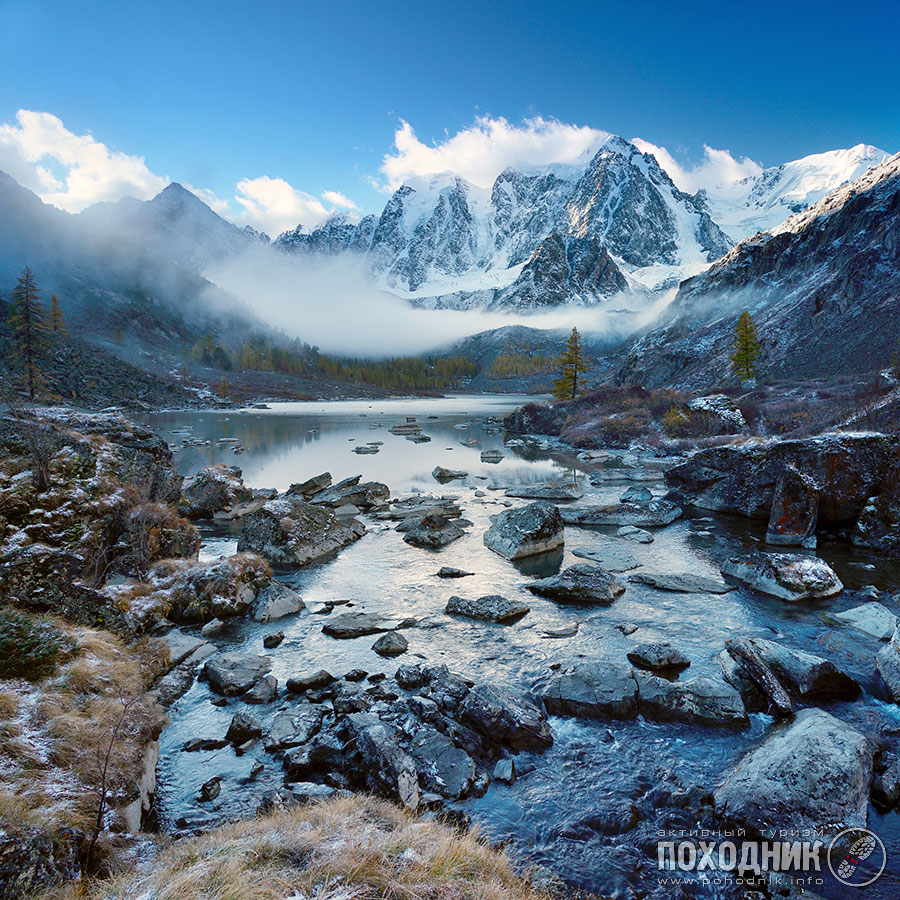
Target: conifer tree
x,y
746,347
29,327
57,326
573,364
224,389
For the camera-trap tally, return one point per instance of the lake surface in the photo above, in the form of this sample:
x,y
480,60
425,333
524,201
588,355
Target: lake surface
x,y
571,808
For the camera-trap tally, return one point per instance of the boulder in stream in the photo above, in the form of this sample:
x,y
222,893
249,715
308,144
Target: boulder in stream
x,y
581,583
433,531
805,675
655,514
527,531
550,490
490,608
443,475
276,601
788,576
683,583
887,664
233,674
873,619
795,509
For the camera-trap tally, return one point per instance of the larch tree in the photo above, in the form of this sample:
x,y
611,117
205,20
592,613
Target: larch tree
x,y
573,364
57,326
29,328
746,347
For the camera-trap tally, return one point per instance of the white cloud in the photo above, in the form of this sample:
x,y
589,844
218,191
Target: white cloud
x,y
481,152
73,171
717,171
69,170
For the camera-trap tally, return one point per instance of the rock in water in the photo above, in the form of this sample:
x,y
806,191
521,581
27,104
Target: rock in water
x,y
504,718
805,675
887,663
358,624
439,473
212,490
788,576
874,619
551,490
795,509
243,728
491,608
684,583
812,773
636,494
450,572
275,602
655,514
660,655
518,533
593,690
581,583
391,644
290,531
612,555
701,700
232,674
433,531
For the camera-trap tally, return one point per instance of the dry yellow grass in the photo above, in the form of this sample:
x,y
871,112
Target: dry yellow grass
x,y
50,730
349,848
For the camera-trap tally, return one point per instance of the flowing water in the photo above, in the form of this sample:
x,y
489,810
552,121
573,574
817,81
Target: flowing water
x,y
571,808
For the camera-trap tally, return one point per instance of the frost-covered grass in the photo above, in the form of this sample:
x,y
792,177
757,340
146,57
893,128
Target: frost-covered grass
x,y
348,848
50,728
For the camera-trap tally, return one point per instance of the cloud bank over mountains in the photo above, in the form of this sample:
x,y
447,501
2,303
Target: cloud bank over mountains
x,y
73,171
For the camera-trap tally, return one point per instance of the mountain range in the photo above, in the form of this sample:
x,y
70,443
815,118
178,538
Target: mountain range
x,y
614,232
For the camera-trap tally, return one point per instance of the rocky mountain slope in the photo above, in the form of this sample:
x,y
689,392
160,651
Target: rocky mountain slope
x,y
823,289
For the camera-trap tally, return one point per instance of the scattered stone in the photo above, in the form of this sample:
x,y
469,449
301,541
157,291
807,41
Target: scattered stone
x,y
627,628
528,531
887,664
491,456
685,583
593,690
215,489
439,473
353,491
813,773
276,601
805,675
213,627
356,675
505,718
564,632
209,790
505,771
450,572
886,783
291,729
311,682
660,655
633,533
433,531
788,576
635,494
701,700
264,691
581,583
612,555
391,644
873,619
491,608
270,641
243,728
311,486
358,624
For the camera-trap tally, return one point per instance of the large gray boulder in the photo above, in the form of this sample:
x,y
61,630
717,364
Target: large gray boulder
x,y
233,674
701,700
813,773
593,690
528,531
433,531
887,664
276,601
873,619
788,576
681,582
291,532
293,728
655,514
550,490
795,509
805,675
359,624
505,718
387,766
612,554
443,767
354,492
215,489
581,583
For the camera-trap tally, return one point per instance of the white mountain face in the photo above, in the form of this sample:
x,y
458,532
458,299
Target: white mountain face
x,y
760,202
443,242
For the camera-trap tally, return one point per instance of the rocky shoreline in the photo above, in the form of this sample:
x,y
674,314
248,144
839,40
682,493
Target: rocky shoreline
x,y
110,543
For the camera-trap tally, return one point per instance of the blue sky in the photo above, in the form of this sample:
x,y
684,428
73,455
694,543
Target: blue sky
x,y
212,94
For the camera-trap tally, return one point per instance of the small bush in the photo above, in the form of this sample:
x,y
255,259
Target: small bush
x,y
29,648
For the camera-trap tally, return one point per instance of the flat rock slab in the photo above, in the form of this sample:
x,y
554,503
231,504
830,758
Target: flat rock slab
x,y
358,624
806,675
439,473
612,555
887,663
491,608
873,619
551,490
701,700
659,655
581,583
638,535
450,572
276,601
655,514
788,576
812,773
684,583
593,690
